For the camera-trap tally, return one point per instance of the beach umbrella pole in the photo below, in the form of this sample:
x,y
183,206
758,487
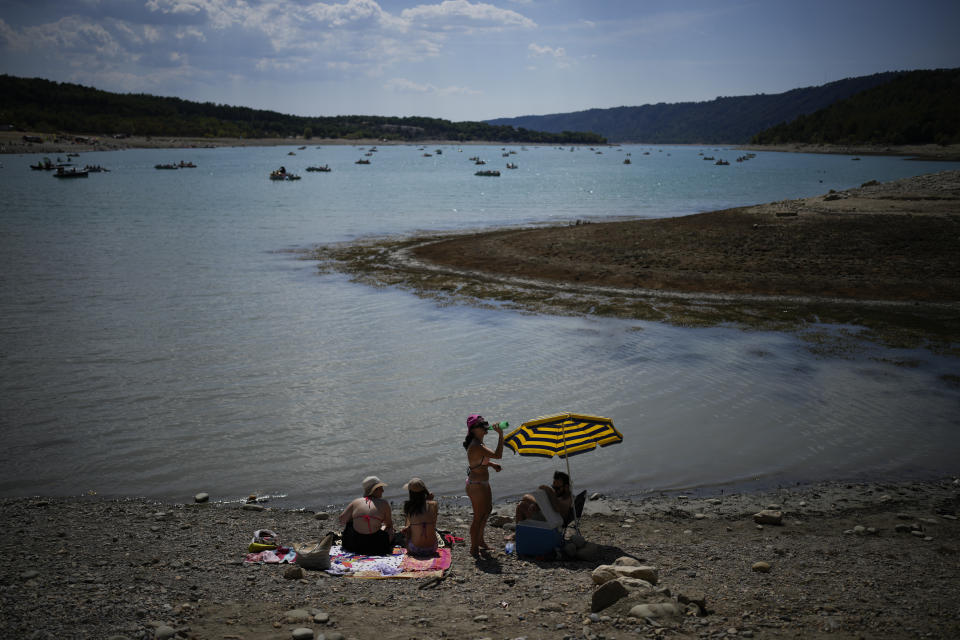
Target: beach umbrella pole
x,y
576,516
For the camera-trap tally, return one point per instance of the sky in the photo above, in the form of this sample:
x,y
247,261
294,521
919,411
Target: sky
x,y
464,59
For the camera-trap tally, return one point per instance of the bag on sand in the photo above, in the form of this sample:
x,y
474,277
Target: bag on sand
x,y
263,540
315,555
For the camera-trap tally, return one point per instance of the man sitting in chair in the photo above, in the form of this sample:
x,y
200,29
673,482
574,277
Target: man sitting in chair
x,y
558,495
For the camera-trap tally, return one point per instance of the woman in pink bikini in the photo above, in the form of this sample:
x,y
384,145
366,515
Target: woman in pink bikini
x,y
421,513
367,521
478,477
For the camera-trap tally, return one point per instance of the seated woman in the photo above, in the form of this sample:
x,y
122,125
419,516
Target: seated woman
x,y
558,494
421,513
367,522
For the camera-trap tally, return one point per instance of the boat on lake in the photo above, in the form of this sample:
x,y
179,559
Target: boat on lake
x,y
282,174
44,165
362,161
166,167
489,173
71,173
325,168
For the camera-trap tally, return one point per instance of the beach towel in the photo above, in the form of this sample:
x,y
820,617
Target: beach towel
x,y
438,563
272,556
396,565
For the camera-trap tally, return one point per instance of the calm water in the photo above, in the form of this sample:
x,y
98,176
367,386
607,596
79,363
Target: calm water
x,y
159,338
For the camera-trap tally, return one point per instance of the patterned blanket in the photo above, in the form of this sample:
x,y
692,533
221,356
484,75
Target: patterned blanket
x,y
396,565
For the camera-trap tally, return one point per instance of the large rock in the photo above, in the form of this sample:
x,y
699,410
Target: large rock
x,y
293,573
607,594
636,585
768,516
607,572
295,616
657,610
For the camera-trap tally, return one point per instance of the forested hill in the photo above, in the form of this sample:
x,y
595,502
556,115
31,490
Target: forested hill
x,y
33,104
725,120
920,107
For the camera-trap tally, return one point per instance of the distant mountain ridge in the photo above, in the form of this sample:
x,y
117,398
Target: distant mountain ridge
x,y
724,120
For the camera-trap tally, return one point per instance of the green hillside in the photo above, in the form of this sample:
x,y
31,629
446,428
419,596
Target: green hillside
x,y
725,120
33,104
920,107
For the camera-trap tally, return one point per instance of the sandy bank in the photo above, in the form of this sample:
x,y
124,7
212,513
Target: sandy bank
x,y
949,152
848,561
881,256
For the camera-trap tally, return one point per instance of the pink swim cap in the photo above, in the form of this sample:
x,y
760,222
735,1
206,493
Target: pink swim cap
x,y
475,420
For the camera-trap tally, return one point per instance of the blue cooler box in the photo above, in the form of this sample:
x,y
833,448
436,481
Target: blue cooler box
x,y
536,541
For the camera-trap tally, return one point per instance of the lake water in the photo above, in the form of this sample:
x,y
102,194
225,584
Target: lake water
x,y
159,337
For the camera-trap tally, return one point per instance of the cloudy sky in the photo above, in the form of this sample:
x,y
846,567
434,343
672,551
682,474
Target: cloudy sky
x,y
465,59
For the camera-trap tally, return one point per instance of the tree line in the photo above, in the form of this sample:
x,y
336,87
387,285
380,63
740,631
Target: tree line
x,y
35,104
917,107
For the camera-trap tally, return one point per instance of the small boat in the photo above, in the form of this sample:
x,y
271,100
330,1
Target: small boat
x,y
186,165
428,155
479,161
439,152
362,161
95,168
281,174
70,173
45,165
301,148
511,165
291,153
626,161
721,162
325,168
489,173
166,166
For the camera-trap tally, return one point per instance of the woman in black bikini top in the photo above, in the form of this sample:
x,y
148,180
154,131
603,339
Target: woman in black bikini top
x,y
368,521
479,458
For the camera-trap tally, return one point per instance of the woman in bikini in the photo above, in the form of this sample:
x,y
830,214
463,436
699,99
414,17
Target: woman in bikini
x,y
421,513
478,477
367,521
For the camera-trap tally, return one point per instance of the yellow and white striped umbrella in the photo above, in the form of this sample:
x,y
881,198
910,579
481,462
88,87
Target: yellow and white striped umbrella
x,y
562,434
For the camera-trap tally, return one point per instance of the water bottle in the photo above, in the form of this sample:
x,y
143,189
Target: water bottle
x,y
510,547
503,425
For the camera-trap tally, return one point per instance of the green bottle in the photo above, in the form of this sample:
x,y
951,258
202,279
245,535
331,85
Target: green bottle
x,y
503,425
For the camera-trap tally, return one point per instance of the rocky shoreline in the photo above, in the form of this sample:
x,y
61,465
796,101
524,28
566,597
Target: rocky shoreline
x,y
832,560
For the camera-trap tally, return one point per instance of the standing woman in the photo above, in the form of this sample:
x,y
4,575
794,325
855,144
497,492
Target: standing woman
x,y
478,477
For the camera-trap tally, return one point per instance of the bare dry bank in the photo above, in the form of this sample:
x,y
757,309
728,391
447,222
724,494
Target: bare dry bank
x,y
882,256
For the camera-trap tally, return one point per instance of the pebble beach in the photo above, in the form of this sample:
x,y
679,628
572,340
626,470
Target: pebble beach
x,y
833,560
